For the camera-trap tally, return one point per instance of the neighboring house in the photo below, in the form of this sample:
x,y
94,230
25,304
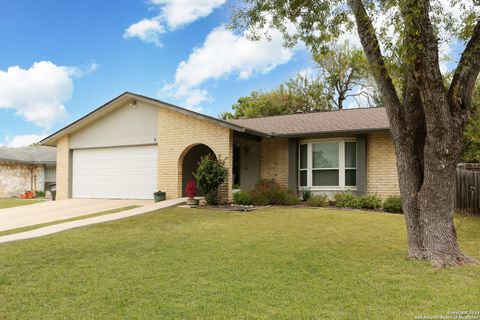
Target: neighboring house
x,y
26,169
134,145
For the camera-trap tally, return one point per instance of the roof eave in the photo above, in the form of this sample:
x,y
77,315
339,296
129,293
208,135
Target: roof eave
x,y
28,162
334,132
51,140
198,115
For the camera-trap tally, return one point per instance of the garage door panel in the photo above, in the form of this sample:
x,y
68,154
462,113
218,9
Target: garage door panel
x,y
119,173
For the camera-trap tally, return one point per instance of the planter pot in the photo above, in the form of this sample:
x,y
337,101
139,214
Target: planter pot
x,y
193,202
159,196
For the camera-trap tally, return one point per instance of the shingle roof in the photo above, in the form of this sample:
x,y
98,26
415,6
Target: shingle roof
x,y
340,121
34,155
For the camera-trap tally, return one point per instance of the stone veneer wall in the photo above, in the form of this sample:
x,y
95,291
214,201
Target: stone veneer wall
x,y
16,178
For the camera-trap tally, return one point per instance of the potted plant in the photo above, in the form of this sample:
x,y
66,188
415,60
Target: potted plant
x,y
159,196
191,190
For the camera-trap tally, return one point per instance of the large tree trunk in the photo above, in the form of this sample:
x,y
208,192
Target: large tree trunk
x,y
426,169
429,211
427,126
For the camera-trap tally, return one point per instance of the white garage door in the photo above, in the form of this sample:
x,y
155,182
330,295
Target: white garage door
x,y
115,173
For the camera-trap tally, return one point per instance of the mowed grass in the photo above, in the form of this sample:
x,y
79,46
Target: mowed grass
x,y
9,203
276,263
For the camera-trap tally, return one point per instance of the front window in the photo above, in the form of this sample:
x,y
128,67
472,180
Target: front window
x,y
328,164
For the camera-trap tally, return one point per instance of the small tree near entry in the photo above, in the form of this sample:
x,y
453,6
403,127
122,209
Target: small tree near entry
x,y
401,41
210,174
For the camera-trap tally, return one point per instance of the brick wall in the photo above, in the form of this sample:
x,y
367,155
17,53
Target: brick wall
x,y
177,133
382,178
63,168
274,160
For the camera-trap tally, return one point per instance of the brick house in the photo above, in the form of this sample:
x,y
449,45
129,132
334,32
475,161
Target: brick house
x,y
134,145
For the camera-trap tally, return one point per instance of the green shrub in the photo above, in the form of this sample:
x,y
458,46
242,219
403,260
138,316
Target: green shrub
x,y
306,194
347,199
210,174
242,198
371,201
393,204
318,201
268,192
41,194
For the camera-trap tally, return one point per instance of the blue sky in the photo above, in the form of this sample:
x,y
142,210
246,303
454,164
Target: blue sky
x,y
93,56
61,59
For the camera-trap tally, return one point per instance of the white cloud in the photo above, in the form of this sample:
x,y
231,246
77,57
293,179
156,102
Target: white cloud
x,y
80,72
23,140
224,54
173,14
178,13
148,30
38,93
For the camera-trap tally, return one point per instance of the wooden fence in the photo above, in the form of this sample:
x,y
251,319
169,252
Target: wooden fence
x,y
467,197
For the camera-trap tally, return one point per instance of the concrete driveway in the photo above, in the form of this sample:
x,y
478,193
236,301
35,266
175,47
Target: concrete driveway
x,y
18,217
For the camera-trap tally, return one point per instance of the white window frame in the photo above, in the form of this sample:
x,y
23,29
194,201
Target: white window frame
x,y
341,165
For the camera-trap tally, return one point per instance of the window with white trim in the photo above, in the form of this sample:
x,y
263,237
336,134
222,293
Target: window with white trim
x,y
328,164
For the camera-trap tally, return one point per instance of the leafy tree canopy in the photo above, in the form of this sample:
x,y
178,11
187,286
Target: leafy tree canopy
x,y
341,73
300,94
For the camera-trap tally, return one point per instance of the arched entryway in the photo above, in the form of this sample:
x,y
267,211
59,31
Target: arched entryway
x,y
190,160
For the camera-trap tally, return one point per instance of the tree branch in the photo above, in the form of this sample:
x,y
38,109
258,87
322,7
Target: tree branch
x,y
371,47
464,78
422,48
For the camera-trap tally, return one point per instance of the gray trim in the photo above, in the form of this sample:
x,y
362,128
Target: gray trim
x,y
361,164
246,136
293,164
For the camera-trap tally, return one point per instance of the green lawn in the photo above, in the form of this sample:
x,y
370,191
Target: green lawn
x,y
267,264
9,203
